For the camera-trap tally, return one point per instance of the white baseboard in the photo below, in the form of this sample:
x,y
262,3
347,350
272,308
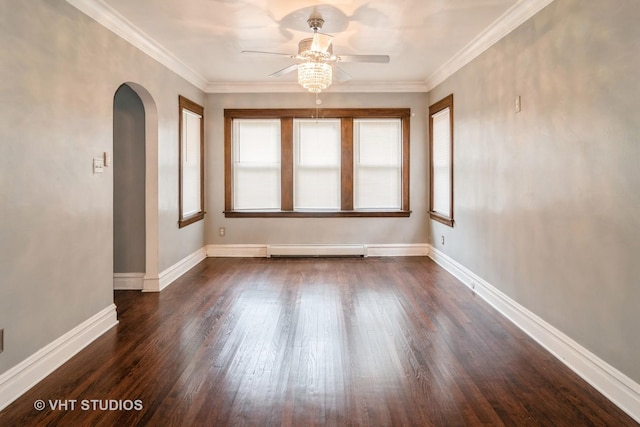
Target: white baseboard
x,y
236,251
261,251
168,276
151,283
613,384
398,250
17,380
128,281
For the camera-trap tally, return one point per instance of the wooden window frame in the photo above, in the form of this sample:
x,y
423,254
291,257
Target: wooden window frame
x,y
186,104
286,116
443,104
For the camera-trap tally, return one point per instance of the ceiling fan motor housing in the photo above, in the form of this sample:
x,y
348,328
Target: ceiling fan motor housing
x,y
304,50
315,23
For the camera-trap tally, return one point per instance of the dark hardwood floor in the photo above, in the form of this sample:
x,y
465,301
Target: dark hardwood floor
x,y
297,342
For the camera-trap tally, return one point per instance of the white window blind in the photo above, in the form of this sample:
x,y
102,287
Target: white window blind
x,y
441,131
256,164
190,162
316,165
377,163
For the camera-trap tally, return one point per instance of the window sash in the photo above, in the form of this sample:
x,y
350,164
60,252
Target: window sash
x,y
441,160
256,164
316,165
441,122
377,164
190,162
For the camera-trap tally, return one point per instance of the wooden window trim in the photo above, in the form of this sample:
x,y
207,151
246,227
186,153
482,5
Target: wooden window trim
x,y
444,103
186,104
316,214
347,115
346,156
286,164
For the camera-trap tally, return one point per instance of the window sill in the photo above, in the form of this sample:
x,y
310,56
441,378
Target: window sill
x,y
442,219
317,214
190,219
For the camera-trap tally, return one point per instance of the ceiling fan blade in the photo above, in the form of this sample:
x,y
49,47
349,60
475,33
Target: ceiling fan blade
x,y
381,59
268,53
340,75
321,42
284,71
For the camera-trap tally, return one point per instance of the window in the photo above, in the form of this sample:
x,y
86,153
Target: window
x,y
286,162
377,164
256,164
191,162
441,160
316,164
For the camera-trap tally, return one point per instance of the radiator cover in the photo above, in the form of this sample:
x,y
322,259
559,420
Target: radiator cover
x,y
316,250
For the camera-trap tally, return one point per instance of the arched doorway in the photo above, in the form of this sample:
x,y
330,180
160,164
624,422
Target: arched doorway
x,y
135,189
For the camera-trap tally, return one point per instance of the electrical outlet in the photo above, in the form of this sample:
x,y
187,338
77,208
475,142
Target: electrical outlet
x,y
442,239
222,231
1,340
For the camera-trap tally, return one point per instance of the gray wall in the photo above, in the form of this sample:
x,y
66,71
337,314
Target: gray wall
x,y
411,230
128,182
60,71
547,200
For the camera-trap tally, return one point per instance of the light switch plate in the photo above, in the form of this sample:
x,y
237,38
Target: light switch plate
x,y
98,165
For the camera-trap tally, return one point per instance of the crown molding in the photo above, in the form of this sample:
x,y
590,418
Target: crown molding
x,y
505,24
109,18
293,87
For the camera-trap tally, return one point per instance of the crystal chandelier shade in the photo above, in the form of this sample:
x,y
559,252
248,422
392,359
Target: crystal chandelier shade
x,y
314,76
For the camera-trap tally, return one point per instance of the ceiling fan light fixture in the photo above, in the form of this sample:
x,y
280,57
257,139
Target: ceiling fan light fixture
x,y
314,76
315,59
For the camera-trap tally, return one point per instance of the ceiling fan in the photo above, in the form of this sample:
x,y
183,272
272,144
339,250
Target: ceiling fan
x,y
316,62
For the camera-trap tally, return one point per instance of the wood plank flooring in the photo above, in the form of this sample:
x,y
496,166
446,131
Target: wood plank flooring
x,y
301,342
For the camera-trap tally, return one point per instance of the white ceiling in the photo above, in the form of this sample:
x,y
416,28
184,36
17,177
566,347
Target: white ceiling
x,y
202,40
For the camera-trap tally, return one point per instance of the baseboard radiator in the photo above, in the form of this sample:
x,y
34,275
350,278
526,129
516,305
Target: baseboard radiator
x,y
316,251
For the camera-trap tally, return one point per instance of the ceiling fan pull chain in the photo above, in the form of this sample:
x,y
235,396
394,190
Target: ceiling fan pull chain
x,y
318,102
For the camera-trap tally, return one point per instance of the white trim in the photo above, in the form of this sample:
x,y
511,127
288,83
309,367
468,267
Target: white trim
x,y
168,276
128,281
418,249
151,283
109,18
236,251
505,24
613,384
17,380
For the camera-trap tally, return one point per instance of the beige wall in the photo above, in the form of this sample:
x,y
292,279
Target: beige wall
x,y
547,200
59,73
315,230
